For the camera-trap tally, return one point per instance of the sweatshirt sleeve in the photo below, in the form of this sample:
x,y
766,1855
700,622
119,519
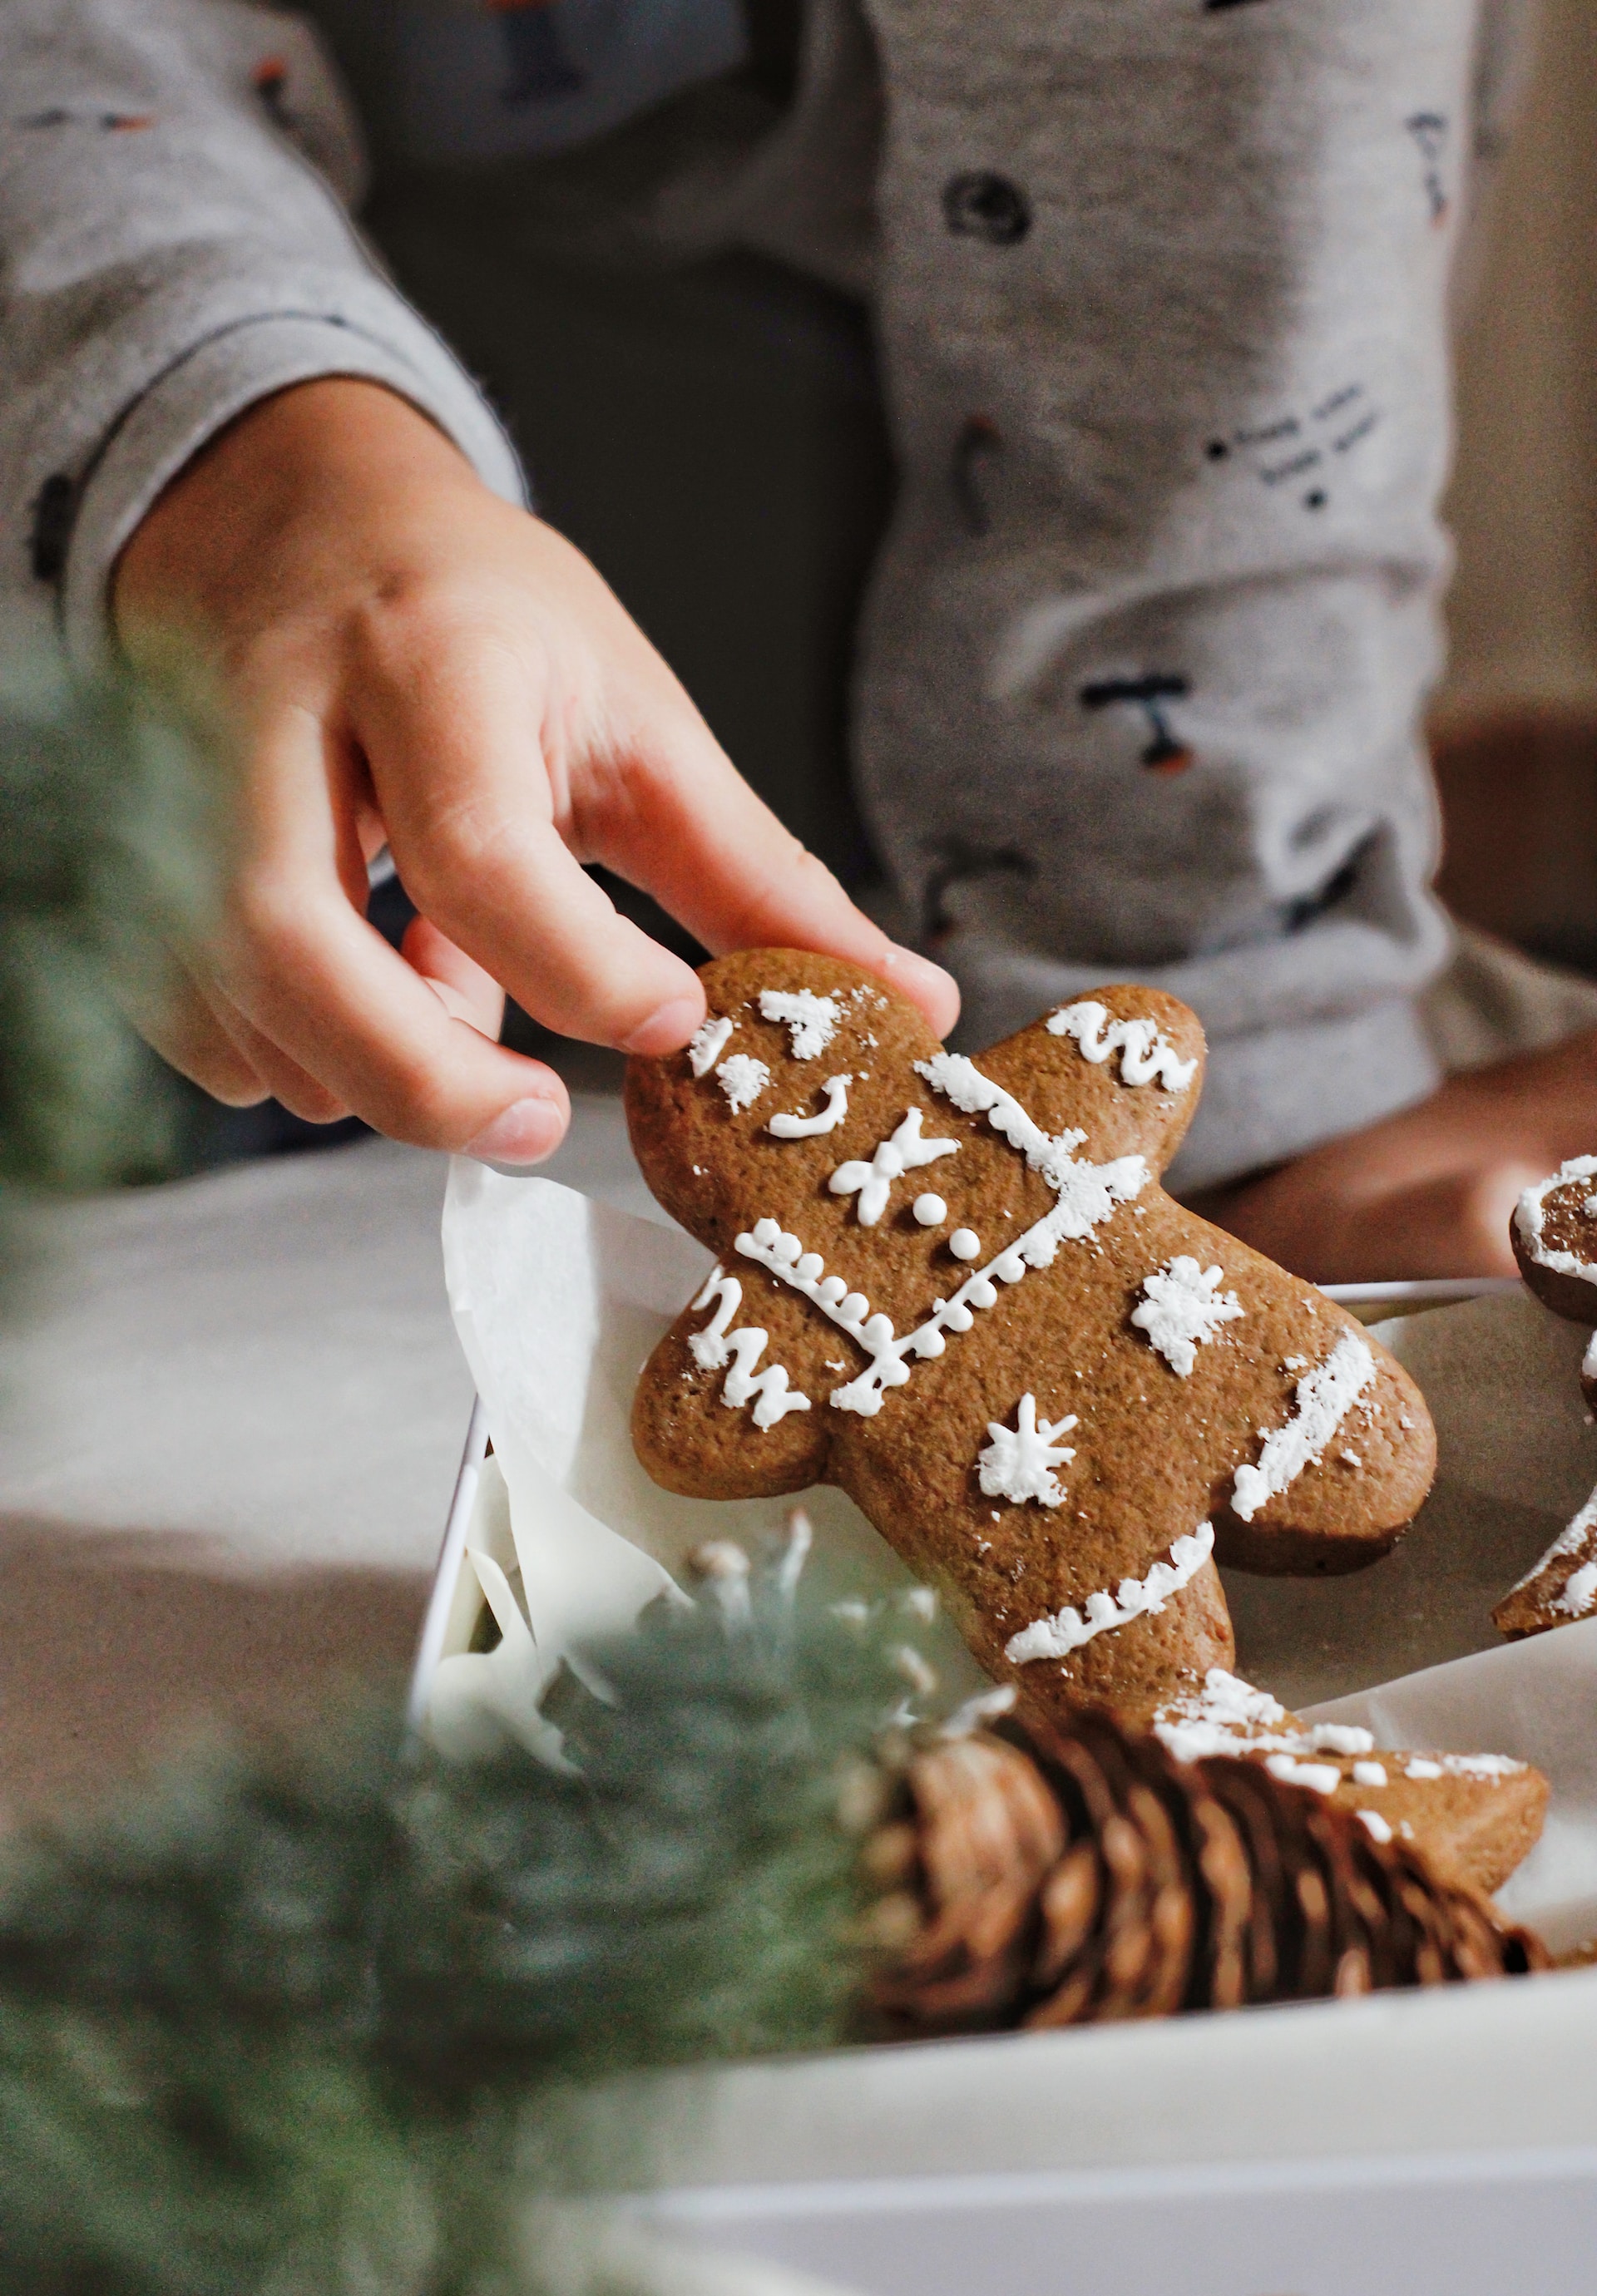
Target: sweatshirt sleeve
x,y
175,244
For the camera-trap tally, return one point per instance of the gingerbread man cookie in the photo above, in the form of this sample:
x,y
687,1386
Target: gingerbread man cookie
x,y
954,1288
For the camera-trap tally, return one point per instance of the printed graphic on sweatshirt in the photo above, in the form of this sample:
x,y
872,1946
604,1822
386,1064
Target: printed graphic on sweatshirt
x,y
499,79
982,205
1301,450
1151,695
1431,133
104,123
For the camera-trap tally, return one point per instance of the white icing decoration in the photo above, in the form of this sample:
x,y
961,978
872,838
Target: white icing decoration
x,y
1530,1213
1181,1310
1579,1591
986,1706
1323,1400
931,1211
1134,1598
1370,1773
1322,1777
1229,1715
743,1079
812,1021
806,1128
1376,1825
1088,1195
707,1043
1588,1362
1018,1462
964,1243
717,1346
1144,1053
872,1182
1420,1768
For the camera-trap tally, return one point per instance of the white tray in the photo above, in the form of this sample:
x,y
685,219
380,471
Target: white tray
x,y
1412,2145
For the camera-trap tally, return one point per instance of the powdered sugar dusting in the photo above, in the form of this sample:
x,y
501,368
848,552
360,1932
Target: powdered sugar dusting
x,y
1323,1400
1182,1308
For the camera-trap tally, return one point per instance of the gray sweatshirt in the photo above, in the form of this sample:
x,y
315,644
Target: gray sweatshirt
x,y
1163,288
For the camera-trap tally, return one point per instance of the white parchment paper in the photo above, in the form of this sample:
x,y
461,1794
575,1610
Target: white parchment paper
x,y
558,1300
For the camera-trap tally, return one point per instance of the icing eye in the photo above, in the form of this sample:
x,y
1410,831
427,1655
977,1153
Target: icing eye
x,y
930,1210
964,1243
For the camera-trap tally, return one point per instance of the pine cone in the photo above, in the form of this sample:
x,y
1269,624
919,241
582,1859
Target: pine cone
x,y
1081,1875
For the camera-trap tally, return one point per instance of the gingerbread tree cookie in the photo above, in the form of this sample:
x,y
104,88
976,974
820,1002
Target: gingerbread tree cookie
x,y
954,1288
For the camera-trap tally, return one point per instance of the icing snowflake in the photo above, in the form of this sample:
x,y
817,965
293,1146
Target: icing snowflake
x,y
872,1182
743,1079
812,1021
1181,1310
1017,1464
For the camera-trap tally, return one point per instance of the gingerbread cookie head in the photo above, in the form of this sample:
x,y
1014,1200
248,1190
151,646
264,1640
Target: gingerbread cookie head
x,y
1554,1235
956,1289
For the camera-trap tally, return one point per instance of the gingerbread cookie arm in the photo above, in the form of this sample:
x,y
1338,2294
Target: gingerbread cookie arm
x,y
1337,1475
729,1405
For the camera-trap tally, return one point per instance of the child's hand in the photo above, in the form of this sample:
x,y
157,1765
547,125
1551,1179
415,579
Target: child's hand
x,y
376,649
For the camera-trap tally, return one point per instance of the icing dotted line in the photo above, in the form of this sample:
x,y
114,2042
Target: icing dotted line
x,y
1323,1400
1134,1598
1145,1053
716,1346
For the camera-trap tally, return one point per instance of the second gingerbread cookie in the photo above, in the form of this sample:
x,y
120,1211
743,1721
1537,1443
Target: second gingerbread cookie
x,y
956,1290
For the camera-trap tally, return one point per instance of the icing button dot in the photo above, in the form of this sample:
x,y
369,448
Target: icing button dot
x,y
810,1267
831,1291
766,1232
930,1210
852,1309
964,1243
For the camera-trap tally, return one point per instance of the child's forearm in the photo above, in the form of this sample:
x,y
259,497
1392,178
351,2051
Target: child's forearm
x,y
171,175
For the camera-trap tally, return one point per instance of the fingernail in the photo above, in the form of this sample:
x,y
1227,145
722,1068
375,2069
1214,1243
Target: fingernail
x,y
667,1028
910,970
524,1133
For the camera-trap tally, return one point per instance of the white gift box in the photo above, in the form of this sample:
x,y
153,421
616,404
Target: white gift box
x,y
1404,2144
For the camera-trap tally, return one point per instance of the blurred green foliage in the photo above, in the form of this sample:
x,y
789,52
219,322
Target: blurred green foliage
x,y
105,845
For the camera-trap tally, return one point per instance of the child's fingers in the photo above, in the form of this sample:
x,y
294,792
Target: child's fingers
x,y
453,747
331,995
458,982
177,1019
696,837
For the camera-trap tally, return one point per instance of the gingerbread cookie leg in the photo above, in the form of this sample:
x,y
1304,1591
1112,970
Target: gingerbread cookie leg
x,y
1561,1587
1476,1817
